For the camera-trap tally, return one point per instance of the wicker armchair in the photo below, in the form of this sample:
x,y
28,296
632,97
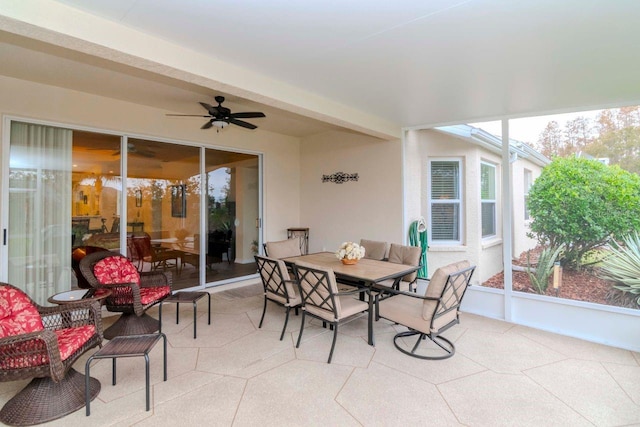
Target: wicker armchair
x,y
132,292
43,343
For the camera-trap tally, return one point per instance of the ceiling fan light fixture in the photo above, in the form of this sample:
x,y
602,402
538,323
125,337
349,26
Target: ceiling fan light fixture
x,y
220,123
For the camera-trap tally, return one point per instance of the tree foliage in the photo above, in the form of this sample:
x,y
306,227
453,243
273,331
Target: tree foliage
x,y
614,135
583,204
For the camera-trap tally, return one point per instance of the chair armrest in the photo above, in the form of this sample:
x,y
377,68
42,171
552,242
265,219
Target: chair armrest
x,y
72,315
409,294
150,279
43,349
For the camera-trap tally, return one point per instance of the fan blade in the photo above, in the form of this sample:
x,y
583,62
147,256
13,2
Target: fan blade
x,y
187,115
242,123
210,108
144,153
207,125
246,115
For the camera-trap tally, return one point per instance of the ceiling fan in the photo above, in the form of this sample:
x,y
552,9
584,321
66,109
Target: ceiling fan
x,y
132,149
221,117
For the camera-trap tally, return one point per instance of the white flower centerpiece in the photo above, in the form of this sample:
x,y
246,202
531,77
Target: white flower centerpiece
x,y
350,253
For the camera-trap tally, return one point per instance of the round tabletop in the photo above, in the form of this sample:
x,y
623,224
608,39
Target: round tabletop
x,y
78,295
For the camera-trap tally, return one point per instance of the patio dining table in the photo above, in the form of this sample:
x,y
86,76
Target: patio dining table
x,y
365,273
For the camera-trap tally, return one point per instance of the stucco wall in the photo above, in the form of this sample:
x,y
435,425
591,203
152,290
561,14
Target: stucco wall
x,y
370,208
61,106
421,146
521,226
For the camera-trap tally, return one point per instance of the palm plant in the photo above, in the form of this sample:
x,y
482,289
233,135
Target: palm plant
x,y
540,276
623,265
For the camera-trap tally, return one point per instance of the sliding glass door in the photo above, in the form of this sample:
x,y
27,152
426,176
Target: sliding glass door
x,y
192,216
39,229
232,182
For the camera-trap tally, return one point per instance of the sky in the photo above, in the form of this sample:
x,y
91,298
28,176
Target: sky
x,y
529,129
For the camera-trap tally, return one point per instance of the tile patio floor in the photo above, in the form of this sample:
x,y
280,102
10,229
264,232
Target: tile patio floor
x,y
235,374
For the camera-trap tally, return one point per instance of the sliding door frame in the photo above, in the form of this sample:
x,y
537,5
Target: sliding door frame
x,y
124,137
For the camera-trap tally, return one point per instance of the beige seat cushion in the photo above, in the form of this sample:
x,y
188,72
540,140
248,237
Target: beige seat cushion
x,y
406,311
293,301
373,249
435,288
345,306
284,248
292,288
409,255
349,306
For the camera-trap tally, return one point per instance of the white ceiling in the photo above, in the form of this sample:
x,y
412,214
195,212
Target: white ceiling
x,y
411,63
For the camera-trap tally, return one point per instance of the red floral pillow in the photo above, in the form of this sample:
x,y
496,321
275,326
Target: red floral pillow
x,y
116,269
17,314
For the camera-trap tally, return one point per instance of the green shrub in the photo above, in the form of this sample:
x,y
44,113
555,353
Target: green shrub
x,y
540,277
583,204
623,266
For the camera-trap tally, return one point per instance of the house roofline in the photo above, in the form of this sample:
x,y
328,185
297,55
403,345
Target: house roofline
x,y
492,143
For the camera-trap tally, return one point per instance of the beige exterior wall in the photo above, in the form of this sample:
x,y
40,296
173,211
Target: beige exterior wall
x,y
421,146
64,107
521,226
370,208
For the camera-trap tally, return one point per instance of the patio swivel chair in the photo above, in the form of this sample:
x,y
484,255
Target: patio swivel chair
x,y
429,315
278,287
321,299
43,343
132,292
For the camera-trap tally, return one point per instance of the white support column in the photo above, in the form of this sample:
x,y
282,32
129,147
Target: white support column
x,y
507,229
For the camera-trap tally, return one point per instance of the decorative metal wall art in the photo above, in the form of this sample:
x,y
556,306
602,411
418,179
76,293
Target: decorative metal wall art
x,y
340,177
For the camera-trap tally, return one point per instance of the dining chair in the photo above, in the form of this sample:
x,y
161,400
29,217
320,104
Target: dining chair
x,y
409,255
322,300
158,257
283,248
374,249
431,314
278,287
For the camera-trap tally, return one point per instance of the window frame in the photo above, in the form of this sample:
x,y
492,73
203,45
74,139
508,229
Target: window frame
x,y
493,201
458,201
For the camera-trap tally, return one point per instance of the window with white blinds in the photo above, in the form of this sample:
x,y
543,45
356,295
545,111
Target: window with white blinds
x,y
445,201
488,197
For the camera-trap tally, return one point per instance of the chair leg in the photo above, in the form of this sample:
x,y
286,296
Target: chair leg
x,y
440,341
264,310
301,329
286,320
333,344
370,323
